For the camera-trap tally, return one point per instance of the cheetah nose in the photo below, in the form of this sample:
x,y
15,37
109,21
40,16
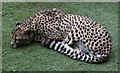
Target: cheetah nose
x,y
13,45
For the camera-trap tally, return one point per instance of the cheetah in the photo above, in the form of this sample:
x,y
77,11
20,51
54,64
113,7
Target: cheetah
x,y
80,33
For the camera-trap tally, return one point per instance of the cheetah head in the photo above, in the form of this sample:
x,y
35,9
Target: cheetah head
x,y
20,35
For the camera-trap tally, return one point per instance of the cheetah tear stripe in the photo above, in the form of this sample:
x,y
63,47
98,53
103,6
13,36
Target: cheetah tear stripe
x,y
70,52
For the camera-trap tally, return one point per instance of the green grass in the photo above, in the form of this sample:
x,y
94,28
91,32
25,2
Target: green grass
x,y
36,57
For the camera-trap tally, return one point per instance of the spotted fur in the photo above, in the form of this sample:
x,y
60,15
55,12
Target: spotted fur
x,y
68,28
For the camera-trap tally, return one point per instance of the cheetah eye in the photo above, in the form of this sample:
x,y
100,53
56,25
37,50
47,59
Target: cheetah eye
x,y
16,40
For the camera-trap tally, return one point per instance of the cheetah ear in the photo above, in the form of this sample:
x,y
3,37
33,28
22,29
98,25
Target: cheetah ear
x,y
18,23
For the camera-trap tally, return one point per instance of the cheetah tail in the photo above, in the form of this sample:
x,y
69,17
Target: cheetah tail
x,y
70,52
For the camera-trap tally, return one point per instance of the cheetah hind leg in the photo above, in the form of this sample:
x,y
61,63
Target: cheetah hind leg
x,y
81,47
84,50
